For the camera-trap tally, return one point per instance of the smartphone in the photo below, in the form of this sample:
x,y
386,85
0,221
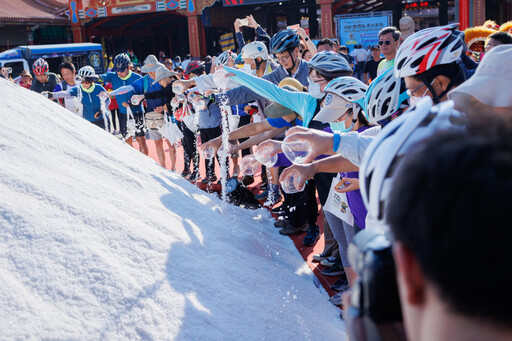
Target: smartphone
x,y
244,22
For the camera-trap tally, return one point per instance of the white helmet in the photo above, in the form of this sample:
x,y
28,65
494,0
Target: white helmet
x,y
384,96
330,64
87,71
385,154
254,50
428,48
223,58
350,89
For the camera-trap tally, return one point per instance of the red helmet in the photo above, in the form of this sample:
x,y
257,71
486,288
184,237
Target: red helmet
x,y
194,66
40,67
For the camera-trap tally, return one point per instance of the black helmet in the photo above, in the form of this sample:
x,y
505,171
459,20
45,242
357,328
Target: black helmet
x,y
121,62
284,40
195,67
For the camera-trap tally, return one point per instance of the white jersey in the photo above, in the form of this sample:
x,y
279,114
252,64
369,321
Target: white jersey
x,y
71,103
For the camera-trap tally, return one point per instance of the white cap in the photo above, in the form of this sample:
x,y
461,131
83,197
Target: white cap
x,y
151,64
334,108
162,72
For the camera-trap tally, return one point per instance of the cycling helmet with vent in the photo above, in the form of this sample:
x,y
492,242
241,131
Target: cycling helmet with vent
x,y
254,50
121,62
343,93
385,154
284,40
330,64
428,48
194,67
40,67
223,58
87,72
384,96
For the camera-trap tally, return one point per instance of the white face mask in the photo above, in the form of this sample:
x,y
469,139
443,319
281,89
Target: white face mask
x,y
247,69
415,99
314,89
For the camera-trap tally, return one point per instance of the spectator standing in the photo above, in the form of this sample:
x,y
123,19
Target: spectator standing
x,y
324,45
371,65
168,64
360,55
207,64
177,62
389,41
186,61
5,73
26,79
496,39
344,52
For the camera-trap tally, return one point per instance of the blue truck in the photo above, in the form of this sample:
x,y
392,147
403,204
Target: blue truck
x,y
81,54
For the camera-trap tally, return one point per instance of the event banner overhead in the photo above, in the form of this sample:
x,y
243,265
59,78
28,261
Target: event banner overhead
x,y
228,3
362,29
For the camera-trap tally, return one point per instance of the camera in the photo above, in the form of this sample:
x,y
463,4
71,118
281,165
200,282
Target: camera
x,y
374,312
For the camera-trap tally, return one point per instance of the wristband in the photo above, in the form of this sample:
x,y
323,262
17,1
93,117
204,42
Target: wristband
x,y
336,142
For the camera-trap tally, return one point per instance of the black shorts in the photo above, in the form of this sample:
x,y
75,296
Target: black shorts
x,y
140,128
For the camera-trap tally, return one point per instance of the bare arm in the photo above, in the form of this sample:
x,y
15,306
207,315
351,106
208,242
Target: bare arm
x,y
256,139
250,130
331,164
309,44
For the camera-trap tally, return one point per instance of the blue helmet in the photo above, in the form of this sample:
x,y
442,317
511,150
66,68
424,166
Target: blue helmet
x,y
284,40
121,62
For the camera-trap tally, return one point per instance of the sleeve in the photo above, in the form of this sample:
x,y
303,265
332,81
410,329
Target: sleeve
x,y
57,88
137,86
278,122
262,36
164,92
63,94
105,77
205,82
353,146
240,40
241,94
122,90
300,102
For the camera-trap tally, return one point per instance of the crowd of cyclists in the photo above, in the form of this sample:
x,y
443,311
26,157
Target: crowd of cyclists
x,y
284,92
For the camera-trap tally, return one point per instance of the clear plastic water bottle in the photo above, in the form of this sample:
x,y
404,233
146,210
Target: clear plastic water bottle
x,y
291,182
208,152
178,89
249,165
262,155
296,151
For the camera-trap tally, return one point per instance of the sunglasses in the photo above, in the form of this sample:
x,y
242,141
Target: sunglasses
x,y
86,81
382,42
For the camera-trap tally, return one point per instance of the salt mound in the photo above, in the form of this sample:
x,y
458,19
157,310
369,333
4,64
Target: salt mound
x,y
99,242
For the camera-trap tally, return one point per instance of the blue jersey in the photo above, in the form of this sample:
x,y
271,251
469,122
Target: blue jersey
x,y
90,101
113,78
144,85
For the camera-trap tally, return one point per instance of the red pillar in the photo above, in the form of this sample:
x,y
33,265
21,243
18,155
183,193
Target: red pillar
x,y
78,33
463,14
196,36
326,18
